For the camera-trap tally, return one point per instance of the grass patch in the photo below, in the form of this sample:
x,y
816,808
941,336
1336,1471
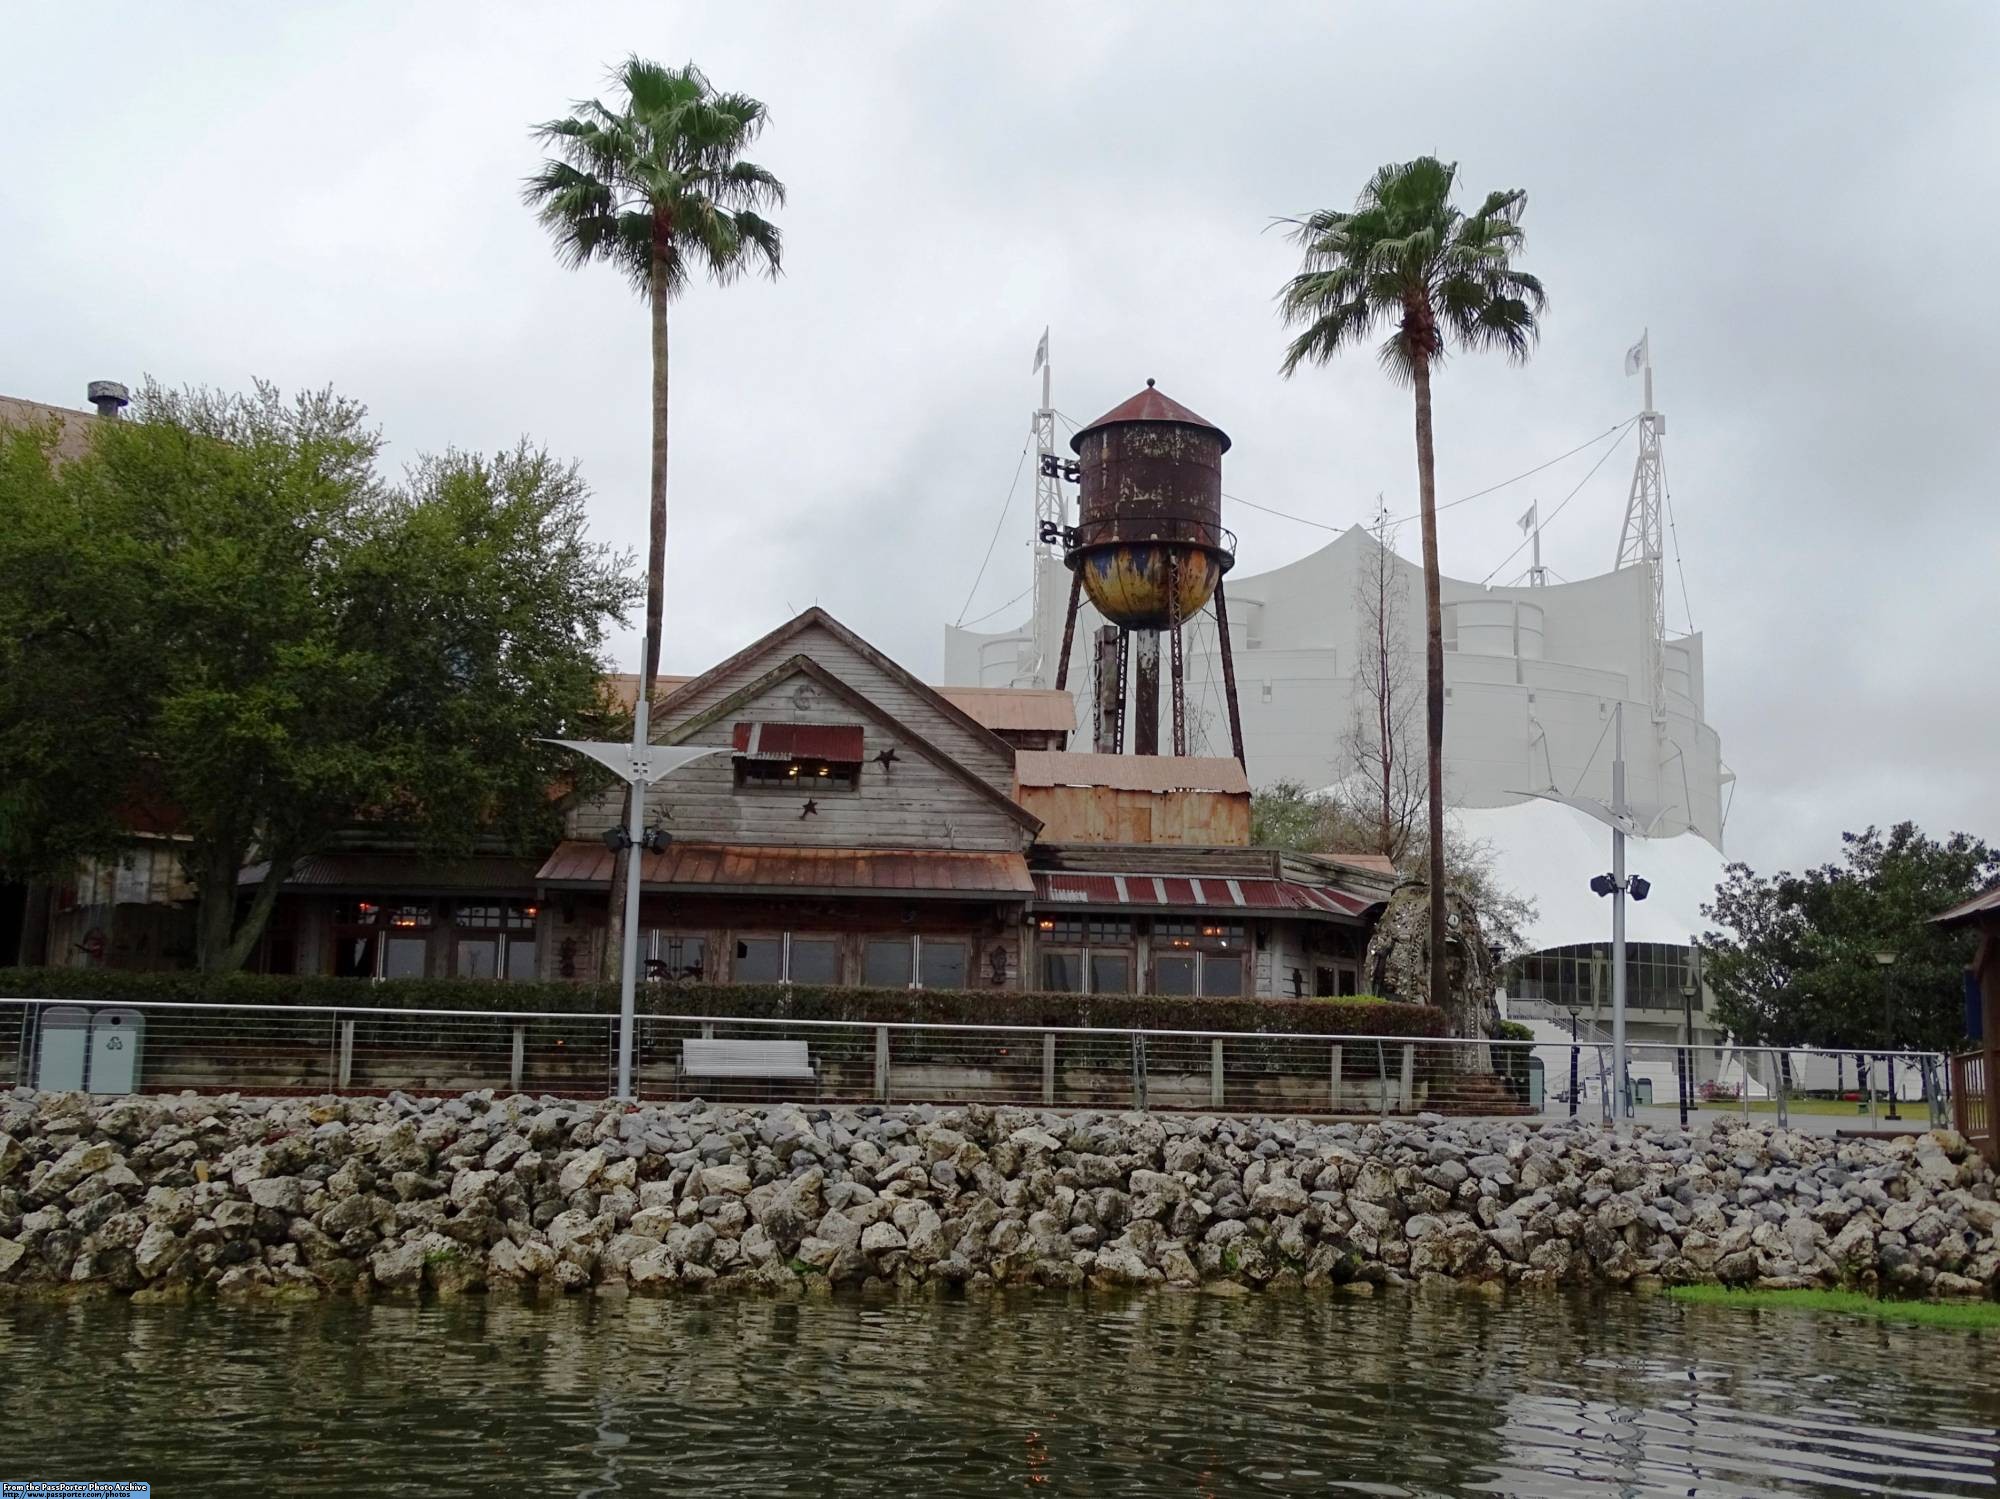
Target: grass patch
x,y
1970,1316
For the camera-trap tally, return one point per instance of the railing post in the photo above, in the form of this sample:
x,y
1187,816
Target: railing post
x,y
1139,1070
881,1064
1382,1078
1933,1090
1778,1060
1049,1068
344,1077
1409,1086
1333,1083
1215,1094
1874,1122
517,1065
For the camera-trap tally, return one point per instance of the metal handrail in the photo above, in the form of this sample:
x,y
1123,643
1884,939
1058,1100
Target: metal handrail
x,y
917,1025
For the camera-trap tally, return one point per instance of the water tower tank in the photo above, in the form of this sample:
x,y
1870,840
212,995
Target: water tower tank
x,y
1150,496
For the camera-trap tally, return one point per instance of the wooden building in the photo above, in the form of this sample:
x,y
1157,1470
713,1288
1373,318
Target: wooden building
x,y
861,827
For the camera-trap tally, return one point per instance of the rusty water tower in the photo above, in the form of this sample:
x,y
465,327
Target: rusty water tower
x,y
1150,550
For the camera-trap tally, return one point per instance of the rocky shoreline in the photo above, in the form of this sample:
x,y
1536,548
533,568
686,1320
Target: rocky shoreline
x,y
178,1196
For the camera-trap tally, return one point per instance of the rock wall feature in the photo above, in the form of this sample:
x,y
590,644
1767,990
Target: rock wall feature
x,y
168,1197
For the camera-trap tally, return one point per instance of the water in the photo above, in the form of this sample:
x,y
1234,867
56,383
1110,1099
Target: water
x,y
1161,1394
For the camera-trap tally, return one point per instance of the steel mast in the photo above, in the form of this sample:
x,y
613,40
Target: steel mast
x,y
1051,510
1642,542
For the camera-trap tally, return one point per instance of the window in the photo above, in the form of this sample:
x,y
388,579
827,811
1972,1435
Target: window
x,y
496,939
814,960
675,956
1062,972
1199,957
794,775
1110,973
885,963
377,939
940,965
759,960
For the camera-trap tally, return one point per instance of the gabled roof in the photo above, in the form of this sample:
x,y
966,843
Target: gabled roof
x,y
1002,709
803,665
1131,772
1984,905
799,624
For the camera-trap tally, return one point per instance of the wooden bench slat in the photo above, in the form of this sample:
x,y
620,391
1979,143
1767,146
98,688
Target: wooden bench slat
x,y
767,1059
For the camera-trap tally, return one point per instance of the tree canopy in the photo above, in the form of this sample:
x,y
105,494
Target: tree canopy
x,y
224,611
1794,961
1287,815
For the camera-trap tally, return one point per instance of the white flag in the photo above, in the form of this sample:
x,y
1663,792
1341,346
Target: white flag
x,y
1635,357
1527,521
1041,352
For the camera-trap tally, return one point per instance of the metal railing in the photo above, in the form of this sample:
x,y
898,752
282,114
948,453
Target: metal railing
x,y
1972,1102
166,1047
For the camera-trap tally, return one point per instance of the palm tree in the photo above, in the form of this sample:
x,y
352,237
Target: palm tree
x,y
1407,259
659,188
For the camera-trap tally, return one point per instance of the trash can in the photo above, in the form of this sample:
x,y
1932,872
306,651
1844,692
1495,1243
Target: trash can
x,y
62,1048
1537,1083
117,1039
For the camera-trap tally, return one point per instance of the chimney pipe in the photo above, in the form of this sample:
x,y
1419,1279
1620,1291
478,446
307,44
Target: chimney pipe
x,y
109,397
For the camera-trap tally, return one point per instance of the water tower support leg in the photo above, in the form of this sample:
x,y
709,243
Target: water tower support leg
x,y
1228,673
1069,630
1146,697
1118,702
1177,674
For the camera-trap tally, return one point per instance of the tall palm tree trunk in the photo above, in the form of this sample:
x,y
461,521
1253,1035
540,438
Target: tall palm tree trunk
x,y
656,581
1433,680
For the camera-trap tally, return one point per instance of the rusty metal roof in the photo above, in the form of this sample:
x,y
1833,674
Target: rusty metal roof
x,y
1983,906
402,874
1015,709
756,869
1149,405
1192,893
1130,772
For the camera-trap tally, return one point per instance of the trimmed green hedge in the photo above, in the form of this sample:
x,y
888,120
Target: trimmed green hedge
x,y
1343,1017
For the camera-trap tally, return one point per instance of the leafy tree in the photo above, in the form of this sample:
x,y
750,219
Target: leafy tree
x,y
1287,815
223,606
1407,258
658,187
1797,964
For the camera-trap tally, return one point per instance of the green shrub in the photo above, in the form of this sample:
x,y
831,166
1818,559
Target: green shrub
x,y
1356,1016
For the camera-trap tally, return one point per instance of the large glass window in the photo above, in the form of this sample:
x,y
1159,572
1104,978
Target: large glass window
x,y
814,960
676,956
885,963
941,965
380,939
798,775
1110,973
759,960
1062,972
1175,972
1199,957
495,939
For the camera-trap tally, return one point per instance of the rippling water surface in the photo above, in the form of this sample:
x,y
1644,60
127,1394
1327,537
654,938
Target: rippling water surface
x,y
1161,1394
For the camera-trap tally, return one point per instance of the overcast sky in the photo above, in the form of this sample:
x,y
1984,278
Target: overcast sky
x,y
1800,202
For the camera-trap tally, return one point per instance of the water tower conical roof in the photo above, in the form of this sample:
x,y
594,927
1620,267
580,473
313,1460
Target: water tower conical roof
x,y
1149,405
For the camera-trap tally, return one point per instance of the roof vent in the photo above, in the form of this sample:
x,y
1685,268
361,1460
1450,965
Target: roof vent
x,y
109,397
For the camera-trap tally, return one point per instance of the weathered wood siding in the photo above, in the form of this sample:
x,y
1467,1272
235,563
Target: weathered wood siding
x,y
1099,814
917,803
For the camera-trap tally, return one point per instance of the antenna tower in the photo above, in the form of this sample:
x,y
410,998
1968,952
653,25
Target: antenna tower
x,y
1641,543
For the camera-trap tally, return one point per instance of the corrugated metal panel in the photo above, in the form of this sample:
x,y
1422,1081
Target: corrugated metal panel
x,y
753,868
1986,903
1015,709
1131,772
1181,892
799,741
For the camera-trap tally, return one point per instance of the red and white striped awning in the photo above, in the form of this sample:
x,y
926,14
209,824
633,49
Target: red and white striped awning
x,y
1174,892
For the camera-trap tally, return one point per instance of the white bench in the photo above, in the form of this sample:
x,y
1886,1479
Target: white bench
x,y
768,1060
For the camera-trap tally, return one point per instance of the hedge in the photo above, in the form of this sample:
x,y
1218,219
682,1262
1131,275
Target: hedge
x,y
1362,1016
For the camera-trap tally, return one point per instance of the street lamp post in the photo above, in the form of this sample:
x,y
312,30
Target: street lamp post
x,y
1572,1061
1886,960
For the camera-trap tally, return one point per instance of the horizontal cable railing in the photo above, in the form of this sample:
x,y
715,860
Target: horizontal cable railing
x,y
171,1046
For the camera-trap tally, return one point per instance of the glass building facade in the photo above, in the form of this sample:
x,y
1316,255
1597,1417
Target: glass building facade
x,y
1579,976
